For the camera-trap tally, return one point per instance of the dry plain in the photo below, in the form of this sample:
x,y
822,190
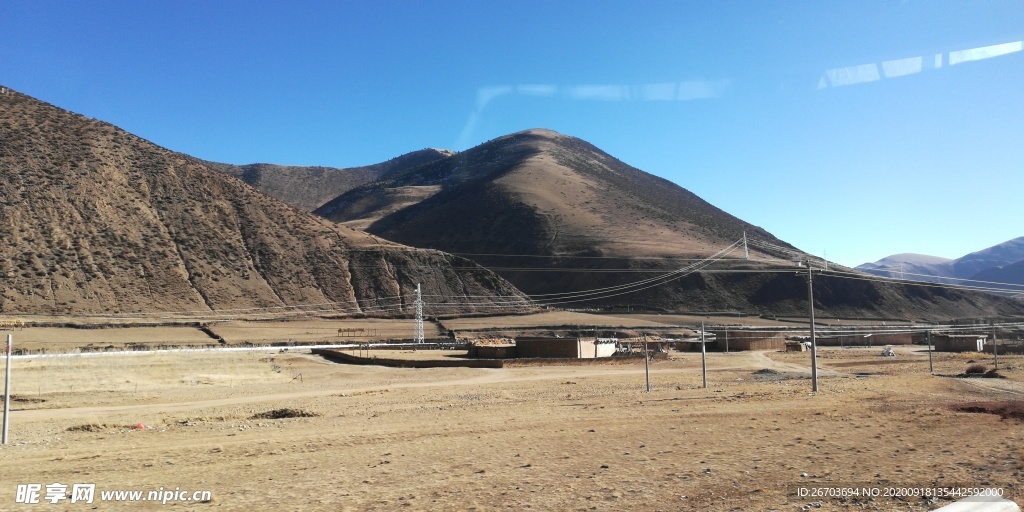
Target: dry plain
x,y
66,334
543,438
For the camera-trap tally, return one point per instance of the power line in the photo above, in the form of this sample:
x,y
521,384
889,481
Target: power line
x,y
948,278
928,284
639,285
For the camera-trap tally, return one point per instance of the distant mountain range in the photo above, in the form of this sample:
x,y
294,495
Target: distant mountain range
x,y
97,220
1002,263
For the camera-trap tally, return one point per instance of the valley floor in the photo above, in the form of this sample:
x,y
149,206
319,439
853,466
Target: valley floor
x,y
543,438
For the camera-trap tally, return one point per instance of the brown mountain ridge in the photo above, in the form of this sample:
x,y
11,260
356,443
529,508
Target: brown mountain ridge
x,y
558,218
309,187
97,220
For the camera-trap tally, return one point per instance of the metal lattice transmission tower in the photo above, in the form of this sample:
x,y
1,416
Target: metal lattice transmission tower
x,y
419,315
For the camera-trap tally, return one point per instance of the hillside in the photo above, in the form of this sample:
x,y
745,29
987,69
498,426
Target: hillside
x,y
1012,274
554,214
97,220
308,187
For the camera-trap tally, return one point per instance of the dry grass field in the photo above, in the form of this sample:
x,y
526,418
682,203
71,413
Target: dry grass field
x,y
319,330
542,438
66,339
235,332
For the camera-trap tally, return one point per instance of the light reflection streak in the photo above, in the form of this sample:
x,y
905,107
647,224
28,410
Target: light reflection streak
x,y
866,73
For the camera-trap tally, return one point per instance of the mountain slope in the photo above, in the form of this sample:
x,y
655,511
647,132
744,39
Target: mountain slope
x,y
554,214
101,221
1012,274
307,188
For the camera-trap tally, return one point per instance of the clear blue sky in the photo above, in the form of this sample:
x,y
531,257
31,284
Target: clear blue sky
x,y
861,128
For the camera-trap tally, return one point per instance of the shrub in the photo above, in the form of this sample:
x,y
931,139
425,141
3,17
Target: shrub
x,y
975,369
278,414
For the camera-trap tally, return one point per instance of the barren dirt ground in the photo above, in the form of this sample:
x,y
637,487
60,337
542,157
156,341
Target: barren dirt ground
x,y
543,438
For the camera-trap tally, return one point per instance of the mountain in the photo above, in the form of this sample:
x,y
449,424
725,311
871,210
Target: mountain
x,y
559,194
97,220
911,266
999,255
558,217
306,188
984,263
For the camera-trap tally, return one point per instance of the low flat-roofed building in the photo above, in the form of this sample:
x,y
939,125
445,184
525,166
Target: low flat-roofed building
x,y
565,348
743,339
865,340
959,342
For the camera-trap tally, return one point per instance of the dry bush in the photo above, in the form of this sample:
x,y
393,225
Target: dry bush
x,y
278,414
87,427
1008,409
94,427
975,369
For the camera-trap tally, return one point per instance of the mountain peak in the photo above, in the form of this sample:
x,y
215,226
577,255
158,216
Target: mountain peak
x,y
532,134
541,132
909,257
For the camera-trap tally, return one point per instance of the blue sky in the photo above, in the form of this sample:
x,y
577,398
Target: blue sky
x,y
857,129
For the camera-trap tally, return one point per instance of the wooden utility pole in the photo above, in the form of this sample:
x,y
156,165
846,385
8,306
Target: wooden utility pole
x,y
995,345
647,365
931,366
703,357
814,342
7,388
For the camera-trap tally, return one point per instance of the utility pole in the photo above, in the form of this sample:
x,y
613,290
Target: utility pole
x,y
931,366
814,341
746,253
419,315
647,366
995,345
703,357
7,387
